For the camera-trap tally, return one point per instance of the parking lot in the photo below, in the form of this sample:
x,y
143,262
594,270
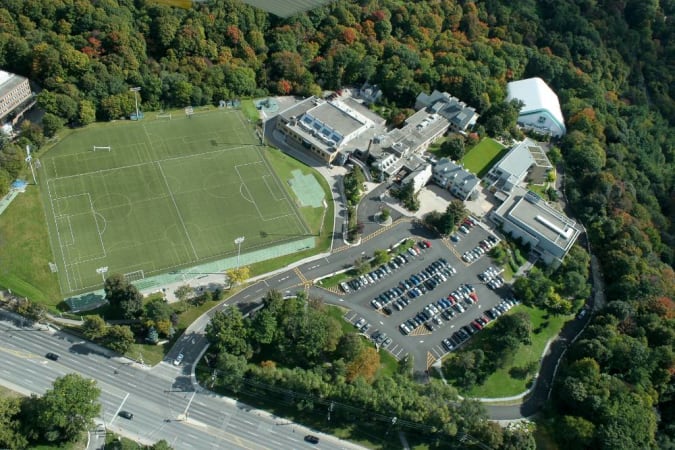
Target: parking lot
x,y
412,306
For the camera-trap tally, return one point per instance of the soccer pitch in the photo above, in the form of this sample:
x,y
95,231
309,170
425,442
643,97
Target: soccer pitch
x,y
169,194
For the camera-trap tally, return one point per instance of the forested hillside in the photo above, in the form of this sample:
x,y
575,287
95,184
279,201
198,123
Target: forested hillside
x,y
612,63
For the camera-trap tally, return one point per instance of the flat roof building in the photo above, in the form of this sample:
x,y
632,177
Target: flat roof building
x,y
326,127
541,109
525,159
549,232
14,92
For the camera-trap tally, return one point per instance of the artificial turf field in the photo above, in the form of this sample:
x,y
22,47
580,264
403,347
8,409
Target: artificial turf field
x,y
169,194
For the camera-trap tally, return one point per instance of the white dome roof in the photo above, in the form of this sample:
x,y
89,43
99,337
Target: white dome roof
x,y
536,95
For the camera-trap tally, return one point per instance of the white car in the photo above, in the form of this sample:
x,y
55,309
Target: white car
x,y
179,359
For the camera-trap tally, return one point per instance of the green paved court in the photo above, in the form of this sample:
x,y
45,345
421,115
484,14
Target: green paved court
x,y
168,195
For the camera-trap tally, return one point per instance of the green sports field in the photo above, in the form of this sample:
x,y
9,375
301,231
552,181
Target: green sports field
x,y
169,194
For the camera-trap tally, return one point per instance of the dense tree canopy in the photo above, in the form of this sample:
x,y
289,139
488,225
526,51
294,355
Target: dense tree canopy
x,y
611,64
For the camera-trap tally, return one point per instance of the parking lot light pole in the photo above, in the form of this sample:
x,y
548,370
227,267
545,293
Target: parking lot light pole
x,y
239,241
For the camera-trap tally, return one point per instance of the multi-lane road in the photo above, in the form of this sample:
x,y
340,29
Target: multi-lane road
x,y
164,403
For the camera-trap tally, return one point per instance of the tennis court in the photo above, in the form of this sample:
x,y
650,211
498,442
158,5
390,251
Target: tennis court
x,y
160,195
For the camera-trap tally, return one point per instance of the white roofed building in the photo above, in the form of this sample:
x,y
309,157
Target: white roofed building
x,y
549,232
541,110
326,127
14,93
525,161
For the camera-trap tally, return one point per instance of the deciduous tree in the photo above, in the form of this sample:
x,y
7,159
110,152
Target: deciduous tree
x,y
94,327
365,365
227,332
68,408
119,338
124,298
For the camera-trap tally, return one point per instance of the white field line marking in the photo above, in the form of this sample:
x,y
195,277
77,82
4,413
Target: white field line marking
x,y
58,234
187,234
281,188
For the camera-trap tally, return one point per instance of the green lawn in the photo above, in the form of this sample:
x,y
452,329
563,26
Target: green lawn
x,y
501,383
338,313
337,279
249,110
483,156
170,194
388,364
25,251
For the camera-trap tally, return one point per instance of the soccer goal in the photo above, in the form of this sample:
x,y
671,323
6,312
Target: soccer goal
x,y
134,276
166,116
98,148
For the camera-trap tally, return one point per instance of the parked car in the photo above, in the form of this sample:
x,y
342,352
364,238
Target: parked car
x,y
179,359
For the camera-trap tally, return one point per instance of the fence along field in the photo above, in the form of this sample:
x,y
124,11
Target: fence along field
x,y
168,194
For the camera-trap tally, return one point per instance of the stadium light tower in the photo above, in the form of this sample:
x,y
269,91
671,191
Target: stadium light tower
x,y
238,241
29,160
102,271
135,91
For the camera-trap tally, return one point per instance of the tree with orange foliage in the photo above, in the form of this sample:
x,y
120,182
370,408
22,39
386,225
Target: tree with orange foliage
x,y
365,365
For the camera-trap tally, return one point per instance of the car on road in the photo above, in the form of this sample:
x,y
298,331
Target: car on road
x,y
52,356
126,414
311,439
179,359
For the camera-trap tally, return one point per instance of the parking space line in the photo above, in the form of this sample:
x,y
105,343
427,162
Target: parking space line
x,y
420,331
430,360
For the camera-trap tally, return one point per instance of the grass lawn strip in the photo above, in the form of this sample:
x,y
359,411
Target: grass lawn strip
x,y
501,383
24,246
483,156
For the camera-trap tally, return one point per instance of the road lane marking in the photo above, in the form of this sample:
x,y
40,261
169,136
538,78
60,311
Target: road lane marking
x,y
119,409
230,438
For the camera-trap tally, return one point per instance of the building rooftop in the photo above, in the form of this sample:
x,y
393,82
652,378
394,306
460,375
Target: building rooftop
x,y
536,95
9,81
517,161
338,116
299,108
530,212
361,109
454,110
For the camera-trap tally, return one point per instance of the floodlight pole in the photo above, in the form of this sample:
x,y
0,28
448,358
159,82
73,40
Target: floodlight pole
x,y
102,271
29,160
135,91
238,241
